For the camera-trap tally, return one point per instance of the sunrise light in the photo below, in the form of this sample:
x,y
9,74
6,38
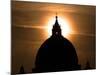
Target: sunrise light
x,y
64,24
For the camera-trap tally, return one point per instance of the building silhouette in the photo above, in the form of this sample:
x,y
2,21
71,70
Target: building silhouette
x,y
87,67
56,53
21,71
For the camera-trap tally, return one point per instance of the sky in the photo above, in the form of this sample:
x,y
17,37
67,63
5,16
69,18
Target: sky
x,y
30,22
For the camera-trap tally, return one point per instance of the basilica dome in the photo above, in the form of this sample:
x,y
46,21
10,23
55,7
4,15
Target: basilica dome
x,y
56,53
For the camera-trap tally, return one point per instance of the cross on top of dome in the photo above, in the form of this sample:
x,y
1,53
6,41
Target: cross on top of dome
x,y
56,16
56,22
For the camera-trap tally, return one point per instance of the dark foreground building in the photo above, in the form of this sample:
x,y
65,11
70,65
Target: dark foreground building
x,y
56,53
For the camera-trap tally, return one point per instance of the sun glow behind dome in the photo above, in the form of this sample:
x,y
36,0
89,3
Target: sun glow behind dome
x,y
64,24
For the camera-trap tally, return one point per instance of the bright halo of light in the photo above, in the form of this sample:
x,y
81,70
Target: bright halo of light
x,y
65,26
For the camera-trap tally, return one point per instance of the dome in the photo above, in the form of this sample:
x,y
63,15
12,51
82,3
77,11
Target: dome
x,y
56,53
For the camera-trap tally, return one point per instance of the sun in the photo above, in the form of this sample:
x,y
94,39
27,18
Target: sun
x,y
65,26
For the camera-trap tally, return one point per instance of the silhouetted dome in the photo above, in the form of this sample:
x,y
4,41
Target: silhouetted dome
x,y
56,53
